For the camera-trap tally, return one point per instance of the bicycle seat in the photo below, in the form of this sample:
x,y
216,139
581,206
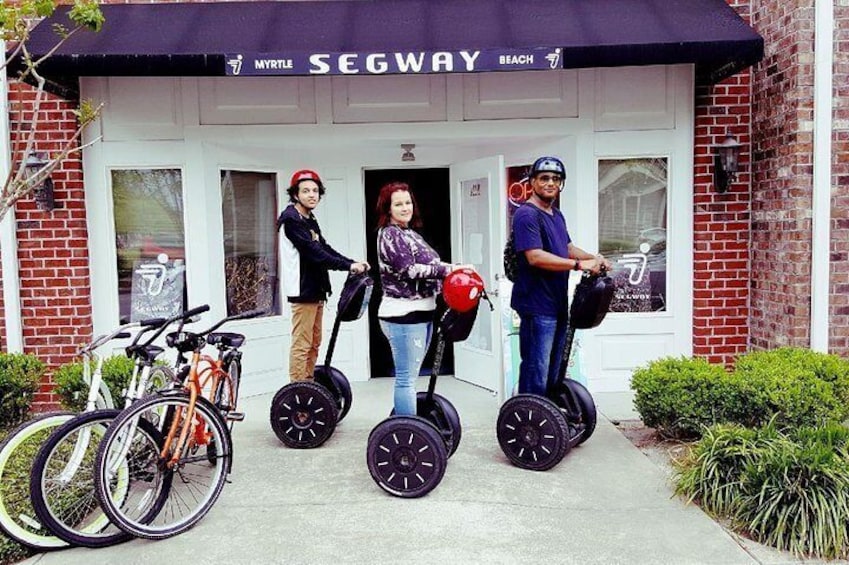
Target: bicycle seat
x,y
184,341
226,339
147,353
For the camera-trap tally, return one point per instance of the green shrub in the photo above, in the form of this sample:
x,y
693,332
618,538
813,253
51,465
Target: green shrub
x,y
789,490
710,473
798,386
679,396
11,551
20,376
73,390
790,386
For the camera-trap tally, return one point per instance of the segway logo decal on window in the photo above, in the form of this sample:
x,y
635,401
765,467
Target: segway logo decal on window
x,y
402,62
152,277
636,264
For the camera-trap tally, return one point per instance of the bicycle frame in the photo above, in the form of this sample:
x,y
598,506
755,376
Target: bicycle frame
x,y
193,434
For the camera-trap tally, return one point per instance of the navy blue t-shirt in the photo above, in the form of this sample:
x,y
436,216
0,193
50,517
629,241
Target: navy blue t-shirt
x,y
537,291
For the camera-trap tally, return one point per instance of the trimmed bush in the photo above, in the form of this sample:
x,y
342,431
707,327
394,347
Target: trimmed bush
x,y
787,490
680,396
73,390
792,387
20,375
797,386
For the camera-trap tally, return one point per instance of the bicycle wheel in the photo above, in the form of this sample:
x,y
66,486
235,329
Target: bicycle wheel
x,y
227,392
17,516
160,377
62,481
162,496
226,398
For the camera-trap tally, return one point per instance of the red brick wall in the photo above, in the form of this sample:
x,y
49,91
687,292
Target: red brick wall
x,y
53,249
839,299
2,310
782,108
721,222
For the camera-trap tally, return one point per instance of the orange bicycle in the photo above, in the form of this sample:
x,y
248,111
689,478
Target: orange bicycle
x,y
157,485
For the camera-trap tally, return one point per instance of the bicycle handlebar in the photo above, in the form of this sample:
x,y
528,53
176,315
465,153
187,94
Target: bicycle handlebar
x,y
119,333
182,316
242,316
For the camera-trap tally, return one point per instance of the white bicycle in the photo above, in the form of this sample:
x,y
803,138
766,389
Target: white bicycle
x,y
18,518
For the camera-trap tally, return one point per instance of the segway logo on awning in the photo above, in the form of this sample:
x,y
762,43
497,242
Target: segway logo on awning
x,y
378,63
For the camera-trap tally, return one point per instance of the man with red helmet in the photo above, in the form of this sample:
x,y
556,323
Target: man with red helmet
x,y
546,255
306,260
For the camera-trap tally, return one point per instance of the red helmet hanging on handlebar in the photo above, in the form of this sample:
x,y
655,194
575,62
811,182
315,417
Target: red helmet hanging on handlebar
x,y
462,289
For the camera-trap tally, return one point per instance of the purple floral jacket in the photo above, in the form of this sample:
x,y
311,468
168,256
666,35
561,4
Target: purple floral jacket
x,y
409,268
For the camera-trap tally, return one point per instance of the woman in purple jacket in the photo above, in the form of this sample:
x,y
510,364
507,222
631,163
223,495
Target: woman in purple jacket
x,y
410,273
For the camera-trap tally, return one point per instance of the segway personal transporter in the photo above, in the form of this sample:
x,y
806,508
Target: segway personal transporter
x,y
304,414
407,455
536,432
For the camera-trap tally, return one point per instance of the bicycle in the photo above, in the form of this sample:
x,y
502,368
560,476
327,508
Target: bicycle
x,y
61,481
174,477
18,518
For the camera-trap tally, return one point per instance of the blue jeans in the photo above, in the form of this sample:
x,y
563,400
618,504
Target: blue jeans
x,y
541,343
409,344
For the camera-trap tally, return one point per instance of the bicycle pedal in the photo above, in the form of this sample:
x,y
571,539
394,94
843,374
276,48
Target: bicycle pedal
x,y
235,416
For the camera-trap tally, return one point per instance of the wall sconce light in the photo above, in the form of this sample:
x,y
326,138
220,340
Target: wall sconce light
x,y
42,192
725,162
407,156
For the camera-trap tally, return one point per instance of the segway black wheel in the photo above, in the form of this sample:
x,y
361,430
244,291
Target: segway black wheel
x,y
578,406
406,456
335,381
303,415
532,432
442,414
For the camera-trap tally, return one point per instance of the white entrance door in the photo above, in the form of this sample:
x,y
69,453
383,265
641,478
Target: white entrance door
x,y
477,234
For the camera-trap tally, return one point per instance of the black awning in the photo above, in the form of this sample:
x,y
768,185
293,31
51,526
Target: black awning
x,y
196,39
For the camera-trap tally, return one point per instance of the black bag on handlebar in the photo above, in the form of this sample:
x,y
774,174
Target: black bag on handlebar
x,y
591,301
355,296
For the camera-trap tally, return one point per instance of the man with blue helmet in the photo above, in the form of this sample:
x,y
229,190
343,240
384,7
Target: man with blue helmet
x,y
546,255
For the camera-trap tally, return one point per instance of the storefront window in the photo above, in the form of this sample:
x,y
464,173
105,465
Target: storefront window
x,y
632,230
248,207
150,242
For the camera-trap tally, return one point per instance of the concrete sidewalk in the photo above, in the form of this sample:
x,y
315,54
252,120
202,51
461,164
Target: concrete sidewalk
x,y
605,503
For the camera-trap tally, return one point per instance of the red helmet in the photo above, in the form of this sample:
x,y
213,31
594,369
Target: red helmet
x,y
462,289
304,174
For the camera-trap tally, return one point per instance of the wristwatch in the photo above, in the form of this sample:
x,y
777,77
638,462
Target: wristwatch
x,y
577,266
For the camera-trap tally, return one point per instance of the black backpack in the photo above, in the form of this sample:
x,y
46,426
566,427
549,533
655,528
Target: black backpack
x,y
511,259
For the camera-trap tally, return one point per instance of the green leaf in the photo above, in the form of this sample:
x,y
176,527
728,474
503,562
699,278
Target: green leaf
x,y
87,13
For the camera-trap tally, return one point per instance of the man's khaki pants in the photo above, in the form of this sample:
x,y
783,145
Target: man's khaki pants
x,y
306,339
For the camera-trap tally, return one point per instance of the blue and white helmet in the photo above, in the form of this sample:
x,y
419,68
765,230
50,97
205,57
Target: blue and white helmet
x,y
548,165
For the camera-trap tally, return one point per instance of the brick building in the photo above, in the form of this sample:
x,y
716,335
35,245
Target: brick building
x,y
739,270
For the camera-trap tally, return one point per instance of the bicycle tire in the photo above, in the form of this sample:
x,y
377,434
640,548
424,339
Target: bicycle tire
x,y
184,500
62,481
226,399
227,392
160,378
17,517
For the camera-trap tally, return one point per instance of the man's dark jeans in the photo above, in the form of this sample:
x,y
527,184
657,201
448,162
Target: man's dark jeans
x,y
541,343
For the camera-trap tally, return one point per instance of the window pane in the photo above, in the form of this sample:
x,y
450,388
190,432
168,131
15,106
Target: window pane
x,y
150,241
632,230
248,207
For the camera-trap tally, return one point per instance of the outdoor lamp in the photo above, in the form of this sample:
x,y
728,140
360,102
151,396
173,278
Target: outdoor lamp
x,y
725,163
43,191
408,155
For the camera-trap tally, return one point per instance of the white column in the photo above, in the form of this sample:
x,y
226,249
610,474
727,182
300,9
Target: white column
x,y
8,237
821,200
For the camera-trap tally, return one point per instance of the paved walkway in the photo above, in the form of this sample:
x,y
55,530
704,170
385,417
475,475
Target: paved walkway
x,y
605,503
